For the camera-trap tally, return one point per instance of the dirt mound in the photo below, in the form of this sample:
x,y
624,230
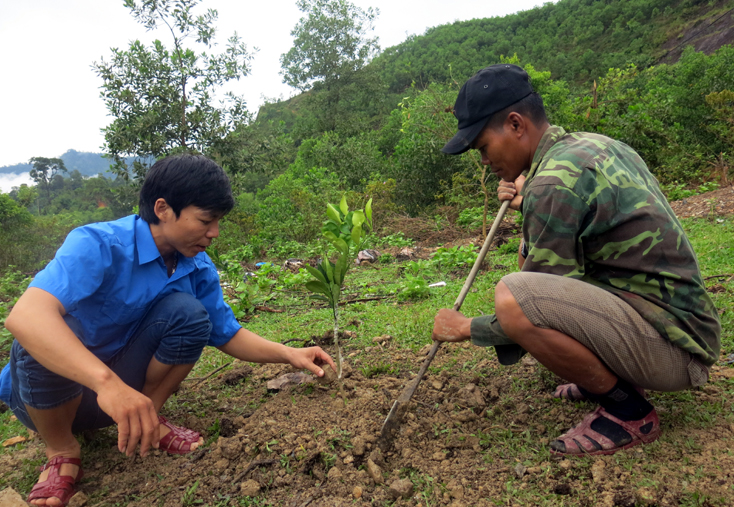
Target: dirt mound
x,y
471,433
717,202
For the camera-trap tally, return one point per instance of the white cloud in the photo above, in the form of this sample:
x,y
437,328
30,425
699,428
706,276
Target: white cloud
x,y
8,181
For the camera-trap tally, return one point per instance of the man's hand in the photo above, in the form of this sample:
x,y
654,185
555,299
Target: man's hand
x,y
311,358
135,415
451,326
510,191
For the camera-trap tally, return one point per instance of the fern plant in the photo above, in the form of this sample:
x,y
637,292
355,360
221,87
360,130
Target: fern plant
x,y
346,231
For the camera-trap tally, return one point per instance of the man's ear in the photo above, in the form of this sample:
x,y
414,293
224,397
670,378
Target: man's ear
x,y
162,210
517,123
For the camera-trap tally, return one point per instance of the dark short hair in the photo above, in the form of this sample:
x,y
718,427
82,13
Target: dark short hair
x,y
186,180
530,107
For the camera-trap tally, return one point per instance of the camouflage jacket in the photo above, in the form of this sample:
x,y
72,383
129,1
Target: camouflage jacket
x,y
593,211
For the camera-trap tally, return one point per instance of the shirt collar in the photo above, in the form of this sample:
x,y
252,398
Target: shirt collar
x,y
144,242
550,137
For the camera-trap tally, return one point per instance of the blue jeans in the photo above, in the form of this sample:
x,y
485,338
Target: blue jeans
x,y
175,331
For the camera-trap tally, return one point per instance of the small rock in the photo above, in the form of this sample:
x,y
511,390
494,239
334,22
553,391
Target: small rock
x,y
377,457
221,464
329,375
10,498
349,459
334,474
231,447
78,500
597,471
374,471
520,470
565,464
456,490
250,488
382,339
402,488
359,445
437,385
357,492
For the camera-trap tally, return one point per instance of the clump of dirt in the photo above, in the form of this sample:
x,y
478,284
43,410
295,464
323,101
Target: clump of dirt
x,y
718,202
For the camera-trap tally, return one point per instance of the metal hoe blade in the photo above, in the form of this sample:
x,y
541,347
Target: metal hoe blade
x,y
395,417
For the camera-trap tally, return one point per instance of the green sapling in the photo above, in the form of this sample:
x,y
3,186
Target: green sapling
x,y
346,231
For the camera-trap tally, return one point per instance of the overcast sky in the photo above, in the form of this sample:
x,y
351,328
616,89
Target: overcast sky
x,y
49,95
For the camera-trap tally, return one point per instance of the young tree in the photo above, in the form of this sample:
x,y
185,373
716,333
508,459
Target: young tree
x,y
346,231
43,173
331,46
161,98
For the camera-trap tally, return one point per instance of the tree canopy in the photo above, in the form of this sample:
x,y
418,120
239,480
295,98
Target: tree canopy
x,y
162,98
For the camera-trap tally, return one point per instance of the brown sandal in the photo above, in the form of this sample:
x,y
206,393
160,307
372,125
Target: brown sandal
x,y
582,440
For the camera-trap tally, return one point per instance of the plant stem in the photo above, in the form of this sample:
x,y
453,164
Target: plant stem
x,y
336,341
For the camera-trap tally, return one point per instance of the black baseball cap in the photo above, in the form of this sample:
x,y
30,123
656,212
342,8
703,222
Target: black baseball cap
x,y
490,90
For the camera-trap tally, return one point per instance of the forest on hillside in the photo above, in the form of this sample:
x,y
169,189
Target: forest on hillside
x,y
370,123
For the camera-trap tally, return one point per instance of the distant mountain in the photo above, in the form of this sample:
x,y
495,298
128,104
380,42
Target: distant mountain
x,y
88,164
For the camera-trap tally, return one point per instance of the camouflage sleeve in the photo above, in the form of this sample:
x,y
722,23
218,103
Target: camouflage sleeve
x,y
553,220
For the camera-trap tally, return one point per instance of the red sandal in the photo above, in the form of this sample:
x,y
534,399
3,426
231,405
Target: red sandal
x,y
55,485
573,393
179,440
582,440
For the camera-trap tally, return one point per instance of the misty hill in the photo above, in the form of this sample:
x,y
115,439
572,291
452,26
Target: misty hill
x,y
88,164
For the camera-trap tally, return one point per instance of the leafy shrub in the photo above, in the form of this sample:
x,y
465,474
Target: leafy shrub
x,y
12,284
415,268
293,280
471,218
396,240
413,287
511,247
453,258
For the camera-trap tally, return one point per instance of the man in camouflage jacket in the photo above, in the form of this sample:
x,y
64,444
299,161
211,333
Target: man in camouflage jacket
x,y
609,296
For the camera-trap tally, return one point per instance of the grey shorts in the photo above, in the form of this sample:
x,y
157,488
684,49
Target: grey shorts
x,y
628,344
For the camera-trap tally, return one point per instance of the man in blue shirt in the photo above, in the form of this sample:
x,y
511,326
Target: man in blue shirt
x,y
109,329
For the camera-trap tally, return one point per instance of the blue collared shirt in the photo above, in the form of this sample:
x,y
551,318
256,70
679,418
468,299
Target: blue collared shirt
x,y
108,275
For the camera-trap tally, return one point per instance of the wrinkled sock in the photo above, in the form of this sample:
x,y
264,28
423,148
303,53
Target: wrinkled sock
x,y
622,401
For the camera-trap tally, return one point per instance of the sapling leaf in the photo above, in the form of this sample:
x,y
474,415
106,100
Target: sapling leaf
x,y
316,286
333,214
343,205
328,268
368,212
342,246
331,237
358,218
356,235
316,274
340,269
321,298
331,227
